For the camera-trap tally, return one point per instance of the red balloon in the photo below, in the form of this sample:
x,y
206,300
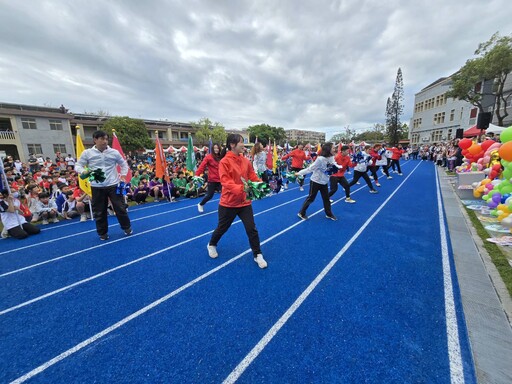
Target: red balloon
x,y
464,152
486,144
465,143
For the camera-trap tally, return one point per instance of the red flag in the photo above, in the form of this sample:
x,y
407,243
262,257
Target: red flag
x,y
269,161
117,145
161,170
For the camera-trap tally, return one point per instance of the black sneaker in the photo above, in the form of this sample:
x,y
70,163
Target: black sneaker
x,y
104,237
128,232
302,216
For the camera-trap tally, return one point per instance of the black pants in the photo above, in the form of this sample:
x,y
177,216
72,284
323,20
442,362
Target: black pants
x,y
364,175
397,163
313,191
99,201
375,168
334,181
212,187
226,217
28,229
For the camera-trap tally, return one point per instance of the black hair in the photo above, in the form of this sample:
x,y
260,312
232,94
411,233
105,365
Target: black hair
x,y
5,192
43,195
326,150
233,138
99,133
215,155
344,147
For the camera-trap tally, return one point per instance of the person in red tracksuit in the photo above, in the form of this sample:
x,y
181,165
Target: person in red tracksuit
x,y
395,157
211,161
375,153
298,157
234,168
342,158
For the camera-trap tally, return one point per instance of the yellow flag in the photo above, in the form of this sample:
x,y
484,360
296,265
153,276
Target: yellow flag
x,y
274,159
84,184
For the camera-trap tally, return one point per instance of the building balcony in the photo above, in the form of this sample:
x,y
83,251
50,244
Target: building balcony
x,y
7,137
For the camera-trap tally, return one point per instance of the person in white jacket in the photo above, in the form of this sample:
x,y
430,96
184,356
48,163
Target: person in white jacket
x,y
319,181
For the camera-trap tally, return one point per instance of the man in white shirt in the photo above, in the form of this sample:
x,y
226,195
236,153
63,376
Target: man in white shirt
x,y
103,157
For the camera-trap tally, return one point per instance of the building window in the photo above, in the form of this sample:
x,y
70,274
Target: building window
x,y
56,125
59,148
28,123
175,136
452,114
439,118
160,134
473,113
35,149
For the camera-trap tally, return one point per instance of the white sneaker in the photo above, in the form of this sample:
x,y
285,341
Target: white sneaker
x,y
331,201
83,217
55,220
45,222
286,186
200,208
212,251
260,261
389,177
4,234
301,188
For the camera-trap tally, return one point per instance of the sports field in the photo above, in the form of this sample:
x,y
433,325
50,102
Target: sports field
x,y
370,298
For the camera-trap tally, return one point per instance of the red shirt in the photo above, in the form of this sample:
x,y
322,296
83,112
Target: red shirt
x,y
232,168
344,161
213,168
298,157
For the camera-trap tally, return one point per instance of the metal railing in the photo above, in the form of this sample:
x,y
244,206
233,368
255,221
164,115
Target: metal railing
x,y
7,135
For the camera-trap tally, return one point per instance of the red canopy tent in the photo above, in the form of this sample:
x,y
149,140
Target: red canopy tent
x,y
183,149
473,132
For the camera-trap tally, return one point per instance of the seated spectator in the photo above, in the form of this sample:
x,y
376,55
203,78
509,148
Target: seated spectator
x,y
180,183
14,223
32,198
61,196
76,204
141,193
191,189
155,189
47,209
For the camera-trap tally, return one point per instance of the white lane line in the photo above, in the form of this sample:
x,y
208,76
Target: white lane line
x,y
452,328
94,230
141,311
52,293
258,348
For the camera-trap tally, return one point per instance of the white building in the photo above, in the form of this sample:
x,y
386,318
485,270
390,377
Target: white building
x,y
436,117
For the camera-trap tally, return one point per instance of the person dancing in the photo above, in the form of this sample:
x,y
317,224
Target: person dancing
x,y
343,160
234,169
298,157
259,161
362,160
210,162
318,182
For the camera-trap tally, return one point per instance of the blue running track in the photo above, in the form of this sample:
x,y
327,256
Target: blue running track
x,y
370,298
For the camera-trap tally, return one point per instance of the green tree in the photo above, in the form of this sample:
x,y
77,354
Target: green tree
x,y
494,62
265,132
394,110
207,130
346,136
132,133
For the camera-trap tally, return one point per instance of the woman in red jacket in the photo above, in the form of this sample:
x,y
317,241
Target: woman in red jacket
x,y
211,161
342,158
298,157
234,168
395,157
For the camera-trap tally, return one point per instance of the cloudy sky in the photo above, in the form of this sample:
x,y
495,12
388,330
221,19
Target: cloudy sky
x,y
308,64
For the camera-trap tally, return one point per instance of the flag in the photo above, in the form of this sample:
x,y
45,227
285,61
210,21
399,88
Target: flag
x,y
117,145
274,158
255,141
84,184
210,145
269,162
191,159
287,147
318,148
161,170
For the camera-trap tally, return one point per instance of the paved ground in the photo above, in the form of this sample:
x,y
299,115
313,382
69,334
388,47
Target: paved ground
x,y
487,304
